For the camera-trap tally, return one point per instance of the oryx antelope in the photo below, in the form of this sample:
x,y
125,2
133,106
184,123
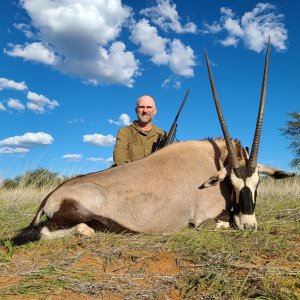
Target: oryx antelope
x,y
165,191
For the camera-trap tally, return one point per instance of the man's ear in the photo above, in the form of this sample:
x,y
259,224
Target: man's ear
x,y
215,179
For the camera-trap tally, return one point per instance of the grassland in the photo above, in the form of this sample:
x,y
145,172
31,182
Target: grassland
x,y
188,264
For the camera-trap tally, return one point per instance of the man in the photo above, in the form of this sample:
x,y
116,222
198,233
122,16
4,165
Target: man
x,y
139,139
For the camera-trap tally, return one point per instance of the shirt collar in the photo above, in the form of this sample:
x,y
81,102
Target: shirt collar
x,y
137,129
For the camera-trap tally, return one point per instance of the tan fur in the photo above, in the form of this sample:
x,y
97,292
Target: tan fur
x,y
157,194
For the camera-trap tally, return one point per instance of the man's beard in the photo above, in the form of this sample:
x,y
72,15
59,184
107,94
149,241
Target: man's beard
x,y
144,118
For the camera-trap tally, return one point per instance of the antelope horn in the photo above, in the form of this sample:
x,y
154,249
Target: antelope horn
x,y
254,150
231,153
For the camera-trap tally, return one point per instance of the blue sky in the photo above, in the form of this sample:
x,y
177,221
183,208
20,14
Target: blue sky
x,y
71,71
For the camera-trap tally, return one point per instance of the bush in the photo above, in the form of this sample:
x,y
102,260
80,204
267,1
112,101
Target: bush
x,y
37,179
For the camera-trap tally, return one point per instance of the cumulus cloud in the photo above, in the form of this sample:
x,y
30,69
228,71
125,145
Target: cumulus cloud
x,y
29,139
175,54
166,17
100,21
253,28
8,150
124,120
2,108
97,139
151,43
182,59
39,103
79,38
37,51
115,65
15,104
73,157
95,159
10,84
211,28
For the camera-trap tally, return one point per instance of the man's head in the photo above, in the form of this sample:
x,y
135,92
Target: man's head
x,y
145,109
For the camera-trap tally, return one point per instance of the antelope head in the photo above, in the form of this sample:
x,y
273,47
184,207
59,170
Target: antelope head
x,y
244,178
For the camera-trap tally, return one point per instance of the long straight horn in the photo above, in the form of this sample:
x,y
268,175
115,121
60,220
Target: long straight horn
x,y
254,150
232,156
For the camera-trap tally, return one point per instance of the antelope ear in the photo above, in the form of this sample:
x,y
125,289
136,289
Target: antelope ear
x,y
275,173
218,177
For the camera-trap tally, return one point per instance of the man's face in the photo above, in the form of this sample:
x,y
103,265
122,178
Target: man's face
x,y
145,109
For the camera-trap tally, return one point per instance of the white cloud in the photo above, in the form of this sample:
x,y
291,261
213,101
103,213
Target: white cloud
x,y
64,21
182,59
2,108
77,120
171,81
114,65
109,161
15,104
25,28
29,139
175,54
261,23
99,139
124,120
227,12
229,41
233,27
151,43
39,103
253,28
79,38
95,159
166,17
8,150
72,156
10,84
39,52
212,28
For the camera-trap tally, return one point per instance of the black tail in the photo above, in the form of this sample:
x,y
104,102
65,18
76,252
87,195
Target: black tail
x,y
26,235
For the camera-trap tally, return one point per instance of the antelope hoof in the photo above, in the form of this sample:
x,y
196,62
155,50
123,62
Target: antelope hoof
x,y
84,229
222,224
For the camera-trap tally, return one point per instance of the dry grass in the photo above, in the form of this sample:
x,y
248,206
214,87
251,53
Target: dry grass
x,y
280,188
188,264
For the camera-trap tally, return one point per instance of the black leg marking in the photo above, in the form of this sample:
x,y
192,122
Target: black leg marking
x,y
69,215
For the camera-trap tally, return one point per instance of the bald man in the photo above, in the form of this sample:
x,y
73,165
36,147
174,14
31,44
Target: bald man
x,y
139,139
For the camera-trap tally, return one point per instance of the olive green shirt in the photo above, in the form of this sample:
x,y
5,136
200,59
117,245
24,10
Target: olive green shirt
x,y
133,143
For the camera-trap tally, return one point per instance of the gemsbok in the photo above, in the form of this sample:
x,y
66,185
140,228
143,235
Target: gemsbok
x,y
184,183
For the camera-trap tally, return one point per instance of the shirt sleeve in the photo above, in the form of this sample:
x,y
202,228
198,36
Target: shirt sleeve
x,y
121,151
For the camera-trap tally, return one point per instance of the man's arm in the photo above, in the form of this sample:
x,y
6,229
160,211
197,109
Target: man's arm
x,y
121,151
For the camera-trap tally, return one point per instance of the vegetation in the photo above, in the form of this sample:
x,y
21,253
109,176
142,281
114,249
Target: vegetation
x,y
188,264
292,132
38,178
